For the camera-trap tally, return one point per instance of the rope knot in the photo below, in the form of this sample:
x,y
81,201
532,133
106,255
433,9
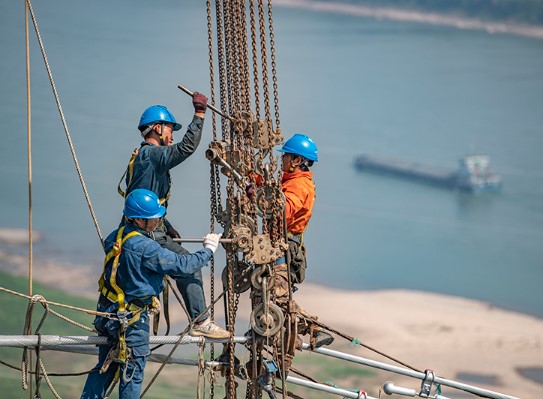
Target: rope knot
x,y
37,298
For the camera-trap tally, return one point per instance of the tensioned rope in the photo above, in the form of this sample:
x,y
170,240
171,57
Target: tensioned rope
x,y
29,152
29,160
64,124
91,312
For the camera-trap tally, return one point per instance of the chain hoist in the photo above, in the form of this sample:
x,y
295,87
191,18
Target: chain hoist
x,y
243,156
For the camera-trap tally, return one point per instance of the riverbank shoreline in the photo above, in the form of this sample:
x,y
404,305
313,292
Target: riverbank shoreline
x,y
399,14
461,339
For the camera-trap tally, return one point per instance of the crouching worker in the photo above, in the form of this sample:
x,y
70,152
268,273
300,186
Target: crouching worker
x,y
134,270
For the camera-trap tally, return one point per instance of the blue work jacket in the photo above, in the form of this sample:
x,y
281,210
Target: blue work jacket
x,y
143,263
153,163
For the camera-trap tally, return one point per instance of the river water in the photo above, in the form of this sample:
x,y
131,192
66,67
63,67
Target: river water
x,y
356,85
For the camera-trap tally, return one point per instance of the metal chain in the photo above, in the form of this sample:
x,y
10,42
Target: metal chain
x,y
245,63
264,60
214,181
249,147
222,67
274,66
255,59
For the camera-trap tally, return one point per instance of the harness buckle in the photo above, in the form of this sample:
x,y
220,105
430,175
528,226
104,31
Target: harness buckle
x,y
123,318
116,249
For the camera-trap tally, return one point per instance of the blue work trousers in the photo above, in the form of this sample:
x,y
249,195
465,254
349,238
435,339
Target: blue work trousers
x,y
190,286
131,373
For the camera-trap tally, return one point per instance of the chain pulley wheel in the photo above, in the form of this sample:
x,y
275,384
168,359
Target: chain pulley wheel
x,y
256,278
242,239
267,320
241,234
241,277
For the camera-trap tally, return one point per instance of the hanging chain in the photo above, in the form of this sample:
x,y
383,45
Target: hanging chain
x,y
264,60
254,54
246,143
274,66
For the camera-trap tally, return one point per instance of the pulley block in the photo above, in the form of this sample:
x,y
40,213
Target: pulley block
x,y
241,234
265,136
241,276
267,319
257,278
244,123
223,154
242,239
262,251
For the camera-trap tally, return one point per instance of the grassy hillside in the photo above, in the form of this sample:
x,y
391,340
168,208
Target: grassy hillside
x,y
12,319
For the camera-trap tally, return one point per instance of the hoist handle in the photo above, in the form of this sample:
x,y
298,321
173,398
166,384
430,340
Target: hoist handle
x,y
211,107
223,240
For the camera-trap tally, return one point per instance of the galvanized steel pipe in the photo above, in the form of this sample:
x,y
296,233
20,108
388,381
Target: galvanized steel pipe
x,y
409,373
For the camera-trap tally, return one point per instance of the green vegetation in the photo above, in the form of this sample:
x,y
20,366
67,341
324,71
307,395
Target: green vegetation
x,y
509,11
13,311
329,369
174,379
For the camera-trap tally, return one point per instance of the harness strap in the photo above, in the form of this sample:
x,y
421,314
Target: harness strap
x,y
165,307
115,252
130,171
166,302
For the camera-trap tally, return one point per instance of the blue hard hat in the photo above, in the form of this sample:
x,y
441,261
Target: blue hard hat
x,y
144,204
156,114
301,145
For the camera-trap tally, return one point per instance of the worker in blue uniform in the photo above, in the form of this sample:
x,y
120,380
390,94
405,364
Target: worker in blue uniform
x,y
149,168
133,276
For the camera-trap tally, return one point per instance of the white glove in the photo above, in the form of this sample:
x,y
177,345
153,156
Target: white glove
x,y
211,241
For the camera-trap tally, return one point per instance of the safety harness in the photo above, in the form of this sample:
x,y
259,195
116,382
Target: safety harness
x,y
130,172
115,294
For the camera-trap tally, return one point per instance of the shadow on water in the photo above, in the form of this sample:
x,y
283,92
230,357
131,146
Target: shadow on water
x,y
534,374
478,378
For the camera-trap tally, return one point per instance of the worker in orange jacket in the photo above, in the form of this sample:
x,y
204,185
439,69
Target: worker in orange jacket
x,y
299,154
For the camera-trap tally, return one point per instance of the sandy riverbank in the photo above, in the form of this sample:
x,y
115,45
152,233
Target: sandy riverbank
x,y
414,16
460,339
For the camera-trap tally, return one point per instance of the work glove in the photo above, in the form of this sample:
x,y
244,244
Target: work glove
x,y
199,101
211,241
173,233
250,190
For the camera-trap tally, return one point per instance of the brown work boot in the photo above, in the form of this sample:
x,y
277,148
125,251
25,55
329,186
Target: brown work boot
x,y
322,338
209,329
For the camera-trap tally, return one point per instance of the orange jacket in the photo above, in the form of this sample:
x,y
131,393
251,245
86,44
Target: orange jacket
x,y
299,190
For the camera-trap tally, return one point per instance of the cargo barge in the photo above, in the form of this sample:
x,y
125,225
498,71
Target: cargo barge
x,y
473,172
